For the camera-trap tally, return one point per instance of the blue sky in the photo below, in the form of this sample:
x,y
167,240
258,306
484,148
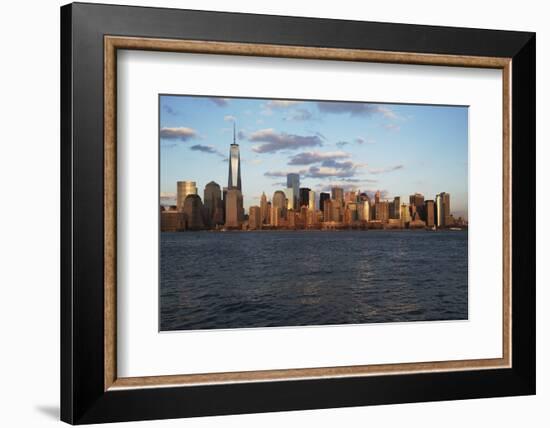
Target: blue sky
x,y
395,148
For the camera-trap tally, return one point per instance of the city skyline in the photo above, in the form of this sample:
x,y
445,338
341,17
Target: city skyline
x,y
427,144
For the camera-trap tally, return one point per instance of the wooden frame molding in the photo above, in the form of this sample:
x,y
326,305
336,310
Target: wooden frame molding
x,y
113,43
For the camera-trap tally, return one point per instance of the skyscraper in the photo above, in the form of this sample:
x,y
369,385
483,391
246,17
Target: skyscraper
x,y
405,214
233,204
279,199
234,181
322,198
263,208
367,211
293,182
351,213
304,196
336,211
429,210
442,209
311,200
395,208
254,217
377,197
185,188
275,216
193,211
279,204
268,214
439,215
364,210
417,201
290,198
212,202
338,194
327,209
382,211
350,196
446,207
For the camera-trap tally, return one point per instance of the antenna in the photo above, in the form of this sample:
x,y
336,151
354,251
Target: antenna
x,y
234,142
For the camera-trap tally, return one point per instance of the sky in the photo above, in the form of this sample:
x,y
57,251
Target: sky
x,y
398,149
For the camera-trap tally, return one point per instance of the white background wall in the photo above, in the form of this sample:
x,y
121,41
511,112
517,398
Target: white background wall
x,y
29,173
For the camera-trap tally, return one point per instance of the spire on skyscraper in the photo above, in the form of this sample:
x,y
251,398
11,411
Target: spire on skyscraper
x,y
234,181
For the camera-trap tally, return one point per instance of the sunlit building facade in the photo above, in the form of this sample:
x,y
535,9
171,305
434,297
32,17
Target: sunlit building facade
x,y
442,209
429,210
382,211
293,182
278,202
311,200
405,214
184,188
254,218
416,202
233,204
338,194
395,207
290,198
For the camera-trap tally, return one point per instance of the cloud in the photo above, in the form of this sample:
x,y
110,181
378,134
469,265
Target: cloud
x,y
386,169
271,105
361,140
387,112
340,165
207,149
300,115
220,102
355,109
279,174
229,118
358,140
272,141
319,135
331,168
281,103
308,158
182,134
348,186
359,180
328,167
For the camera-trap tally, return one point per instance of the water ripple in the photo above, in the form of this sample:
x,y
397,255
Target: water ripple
x,y
265,279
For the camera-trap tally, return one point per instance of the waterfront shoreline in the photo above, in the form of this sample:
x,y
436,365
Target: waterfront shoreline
x,y
314,230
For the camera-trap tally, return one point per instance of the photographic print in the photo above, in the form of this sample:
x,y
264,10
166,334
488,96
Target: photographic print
x,y
287,212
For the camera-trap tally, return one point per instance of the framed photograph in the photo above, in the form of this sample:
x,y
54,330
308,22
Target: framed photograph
x,y
266,213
